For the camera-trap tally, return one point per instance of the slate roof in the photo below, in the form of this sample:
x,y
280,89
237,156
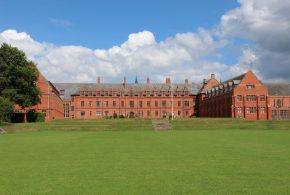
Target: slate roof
x,y
278,89
74,88
235,79
232,82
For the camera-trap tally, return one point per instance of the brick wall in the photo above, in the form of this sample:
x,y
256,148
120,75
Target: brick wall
x,y
86,107
247,99
51,104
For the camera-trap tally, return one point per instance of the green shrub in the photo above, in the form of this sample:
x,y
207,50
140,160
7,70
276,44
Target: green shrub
x,y
35,116
40,117
6,109
115,115
17,117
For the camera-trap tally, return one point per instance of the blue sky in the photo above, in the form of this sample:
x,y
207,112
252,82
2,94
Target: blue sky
x,y
104,23
76,41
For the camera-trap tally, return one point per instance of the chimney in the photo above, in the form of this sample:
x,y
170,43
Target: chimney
x,y
99,80
148,80
167,81
212,76
186,81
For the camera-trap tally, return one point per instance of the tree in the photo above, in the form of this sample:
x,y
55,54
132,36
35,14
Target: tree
x,y
18,77
6,109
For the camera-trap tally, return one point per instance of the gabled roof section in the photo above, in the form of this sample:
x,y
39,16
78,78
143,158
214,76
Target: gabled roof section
x,y
232,82
278,89
235,79
208,84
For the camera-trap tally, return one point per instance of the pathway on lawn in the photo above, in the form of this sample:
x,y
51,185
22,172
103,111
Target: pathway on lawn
x,y
2,131
161,125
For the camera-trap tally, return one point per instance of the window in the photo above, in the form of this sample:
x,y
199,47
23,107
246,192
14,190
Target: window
x,y
148,103
98,113
72,108
140,104
90,104
98,93
250,86
90,113
106,113
262,98
179,112
239,98
114,104
90,93
251,98
122,104
156,103
156,113
278,103
148,113
98,103
186,113
240,110
72,98
262,110
251,110
83,113
82,103
186,103
61,92
106,103
131,104
163,103
284,114
179,103
131,94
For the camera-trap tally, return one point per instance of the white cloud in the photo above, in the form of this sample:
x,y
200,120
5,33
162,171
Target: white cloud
x,y
267,24
264,23
23,41
247,61
180,56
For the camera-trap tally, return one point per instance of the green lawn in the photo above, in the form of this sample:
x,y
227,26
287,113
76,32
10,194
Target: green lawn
x,y
199,156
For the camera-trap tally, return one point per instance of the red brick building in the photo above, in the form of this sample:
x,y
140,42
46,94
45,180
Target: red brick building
x,y
51,104
244,96
279,100
145,100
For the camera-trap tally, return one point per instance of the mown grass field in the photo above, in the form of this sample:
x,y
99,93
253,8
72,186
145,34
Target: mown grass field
x,y
199,156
